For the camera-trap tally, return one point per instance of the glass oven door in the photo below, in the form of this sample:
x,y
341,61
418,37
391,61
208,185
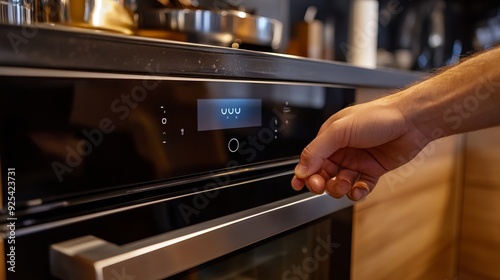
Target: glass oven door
x,y
317,250
304,237
158,177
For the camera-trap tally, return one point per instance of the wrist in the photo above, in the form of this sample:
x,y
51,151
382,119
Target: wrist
x,y
422,110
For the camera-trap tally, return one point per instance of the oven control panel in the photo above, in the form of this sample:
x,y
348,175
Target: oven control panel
x,y
77,136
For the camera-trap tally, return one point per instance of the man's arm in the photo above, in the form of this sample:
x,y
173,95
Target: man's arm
x,y
359,144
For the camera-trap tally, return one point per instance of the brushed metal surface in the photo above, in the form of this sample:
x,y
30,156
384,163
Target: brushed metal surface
x,y
65,48
167,254
219,27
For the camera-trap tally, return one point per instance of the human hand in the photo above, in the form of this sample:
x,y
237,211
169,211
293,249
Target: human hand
x,y
361,143
356,146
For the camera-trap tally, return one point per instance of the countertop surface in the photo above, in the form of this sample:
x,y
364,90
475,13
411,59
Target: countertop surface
x,y
64,48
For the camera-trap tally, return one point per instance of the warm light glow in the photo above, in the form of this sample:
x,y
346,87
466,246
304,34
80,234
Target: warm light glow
x,y
242,14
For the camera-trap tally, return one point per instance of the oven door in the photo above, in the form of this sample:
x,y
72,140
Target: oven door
x,y
133,177
305,237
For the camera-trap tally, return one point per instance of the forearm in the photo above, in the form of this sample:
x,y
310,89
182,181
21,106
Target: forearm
x,y
463,98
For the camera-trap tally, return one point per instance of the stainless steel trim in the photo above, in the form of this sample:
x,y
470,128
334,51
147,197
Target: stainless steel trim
x,y
54,48
41,227
37,205
16,12
235,171
51,73
167,254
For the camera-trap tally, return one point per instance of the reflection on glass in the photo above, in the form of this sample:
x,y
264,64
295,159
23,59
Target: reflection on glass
x,y
301,254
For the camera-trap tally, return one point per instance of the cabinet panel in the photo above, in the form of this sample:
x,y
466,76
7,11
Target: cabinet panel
x,y
480,238
408,227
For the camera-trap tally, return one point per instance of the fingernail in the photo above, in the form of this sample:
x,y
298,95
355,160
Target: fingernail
x,y
358,193
301,170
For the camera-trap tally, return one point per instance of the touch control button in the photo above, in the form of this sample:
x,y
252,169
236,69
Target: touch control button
x,y
233,145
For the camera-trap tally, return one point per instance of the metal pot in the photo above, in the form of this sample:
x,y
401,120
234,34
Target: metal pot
x,y
110,15
216,27
15,12
99,14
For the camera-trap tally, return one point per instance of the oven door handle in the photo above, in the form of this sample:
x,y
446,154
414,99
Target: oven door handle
x,y
167,254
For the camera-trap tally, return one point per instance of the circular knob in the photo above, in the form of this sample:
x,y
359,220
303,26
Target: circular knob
x,y
233,145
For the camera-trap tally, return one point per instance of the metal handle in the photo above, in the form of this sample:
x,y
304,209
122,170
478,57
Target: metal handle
x,y
167,254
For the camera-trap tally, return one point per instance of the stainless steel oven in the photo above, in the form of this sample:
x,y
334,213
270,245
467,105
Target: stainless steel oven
x,y
133,158
183,170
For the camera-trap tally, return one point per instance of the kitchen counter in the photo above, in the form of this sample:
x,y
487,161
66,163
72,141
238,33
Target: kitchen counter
x,y
66,48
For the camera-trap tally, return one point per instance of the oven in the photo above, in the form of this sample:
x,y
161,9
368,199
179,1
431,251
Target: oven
x,y
127,158
155,172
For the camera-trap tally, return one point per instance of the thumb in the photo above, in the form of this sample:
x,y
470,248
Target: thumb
x,y
322,147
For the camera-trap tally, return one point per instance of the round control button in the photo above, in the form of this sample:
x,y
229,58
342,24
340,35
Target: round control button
x,y
233,145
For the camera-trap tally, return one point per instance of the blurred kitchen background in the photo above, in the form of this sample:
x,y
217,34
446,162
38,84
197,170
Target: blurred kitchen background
x,y
402,34
440,222
412,35
416,35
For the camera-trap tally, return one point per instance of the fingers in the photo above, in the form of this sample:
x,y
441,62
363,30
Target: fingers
x,y
316,183
342,183
356,186
337,182
297,183
339,141
360,189
323,146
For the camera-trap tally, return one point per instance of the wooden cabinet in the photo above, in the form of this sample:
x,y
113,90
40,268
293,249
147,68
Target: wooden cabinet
x,y
438,217
408,227
480,229
409,230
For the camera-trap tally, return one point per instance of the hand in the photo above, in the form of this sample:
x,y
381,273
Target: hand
x,y
355,147
359,144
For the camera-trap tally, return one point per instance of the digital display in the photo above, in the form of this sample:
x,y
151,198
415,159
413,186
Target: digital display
x,y
214,114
